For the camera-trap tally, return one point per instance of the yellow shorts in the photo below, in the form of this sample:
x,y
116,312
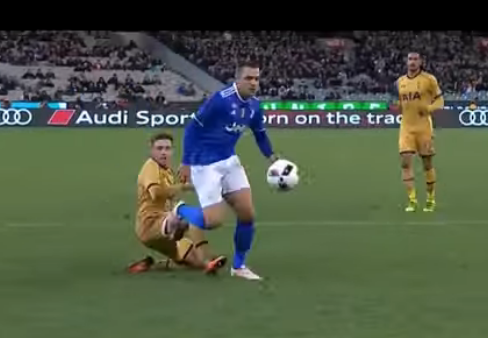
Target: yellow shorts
x,y
420,142
150,233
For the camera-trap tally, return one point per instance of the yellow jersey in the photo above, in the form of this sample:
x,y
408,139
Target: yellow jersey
x,y
415,94
151,174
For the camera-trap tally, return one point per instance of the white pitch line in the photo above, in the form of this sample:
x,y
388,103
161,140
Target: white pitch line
x,y
296,223
33,225
371,222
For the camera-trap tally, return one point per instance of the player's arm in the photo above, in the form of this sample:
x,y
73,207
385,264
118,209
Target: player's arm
x,y
207,110
158,189
261,136
396,95
168,191
202,118
438,99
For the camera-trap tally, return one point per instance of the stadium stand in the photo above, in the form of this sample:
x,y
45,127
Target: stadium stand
x,y
84,66
87,66
458,59
295,66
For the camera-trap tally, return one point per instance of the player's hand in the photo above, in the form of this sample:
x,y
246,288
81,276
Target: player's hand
x,y
424,110
187,186
184,173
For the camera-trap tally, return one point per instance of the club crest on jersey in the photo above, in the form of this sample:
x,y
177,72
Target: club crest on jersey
x,y
235,128
410,96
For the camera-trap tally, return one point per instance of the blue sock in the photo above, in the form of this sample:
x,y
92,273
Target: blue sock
x,y
243,237
192,214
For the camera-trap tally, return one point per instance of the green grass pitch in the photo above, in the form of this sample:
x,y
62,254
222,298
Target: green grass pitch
x,y
341,258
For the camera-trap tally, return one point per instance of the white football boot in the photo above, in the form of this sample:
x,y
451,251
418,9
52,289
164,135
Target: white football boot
x,y
244,272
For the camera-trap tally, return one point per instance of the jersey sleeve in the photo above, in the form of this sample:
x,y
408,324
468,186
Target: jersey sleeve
x,y
260,135
257,122
205,116
150,176
208,109
435,88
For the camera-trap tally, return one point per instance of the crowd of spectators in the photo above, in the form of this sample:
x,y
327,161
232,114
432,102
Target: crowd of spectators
x,y
7,84
49,51
31,47
284,55
79,83
295,66
456,58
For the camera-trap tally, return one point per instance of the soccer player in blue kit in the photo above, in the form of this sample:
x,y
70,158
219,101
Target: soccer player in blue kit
x,y
210,161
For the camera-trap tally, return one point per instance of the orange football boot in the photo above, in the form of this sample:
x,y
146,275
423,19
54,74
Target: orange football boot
x,y
143,265
215,264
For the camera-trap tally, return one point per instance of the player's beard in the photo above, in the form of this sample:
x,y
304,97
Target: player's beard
x,y
413,68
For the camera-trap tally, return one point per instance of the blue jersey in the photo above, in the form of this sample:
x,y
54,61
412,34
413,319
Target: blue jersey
x,y
212,134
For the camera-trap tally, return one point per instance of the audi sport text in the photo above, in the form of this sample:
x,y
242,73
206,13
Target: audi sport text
x,y
145,118
122,117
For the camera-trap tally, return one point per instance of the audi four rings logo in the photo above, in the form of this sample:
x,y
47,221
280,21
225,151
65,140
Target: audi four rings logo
x,y
474,118
15,117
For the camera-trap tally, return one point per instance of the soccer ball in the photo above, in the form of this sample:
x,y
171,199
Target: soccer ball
x,y
282,175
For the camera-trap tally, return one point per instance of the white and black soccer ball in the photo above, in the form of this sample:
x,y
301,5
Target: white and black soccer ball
x,y
282,175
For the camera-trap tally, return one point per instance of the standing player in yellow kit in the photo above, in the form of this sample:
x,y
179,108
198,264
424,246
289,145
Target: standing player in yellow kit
x,y
419,97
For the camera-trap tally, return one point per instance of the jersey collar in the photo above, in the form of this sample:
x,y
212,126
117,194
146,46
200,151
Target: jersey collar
x,y
159,165
237,93
413,77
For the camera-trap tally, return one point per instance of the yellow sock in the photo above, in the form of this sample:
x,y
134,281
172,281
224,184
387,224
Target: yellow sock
x,y
412,194
430,179
431,195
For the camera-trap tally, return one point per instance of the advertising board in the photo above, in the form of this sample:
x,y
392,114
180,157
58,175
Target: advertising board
x,y
135,117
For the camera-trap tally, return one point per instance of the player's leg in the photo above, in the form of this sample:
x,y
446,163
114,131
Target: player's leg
x,y
407,147
159,234
200,253
186,255
427,152
182,254
237,193
200,243
179,254
206,217
207,181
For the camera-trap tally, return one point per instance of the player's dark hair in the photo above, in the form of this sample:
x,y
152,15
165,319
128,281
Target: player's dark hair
x,y
246,64
421,57
161,136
